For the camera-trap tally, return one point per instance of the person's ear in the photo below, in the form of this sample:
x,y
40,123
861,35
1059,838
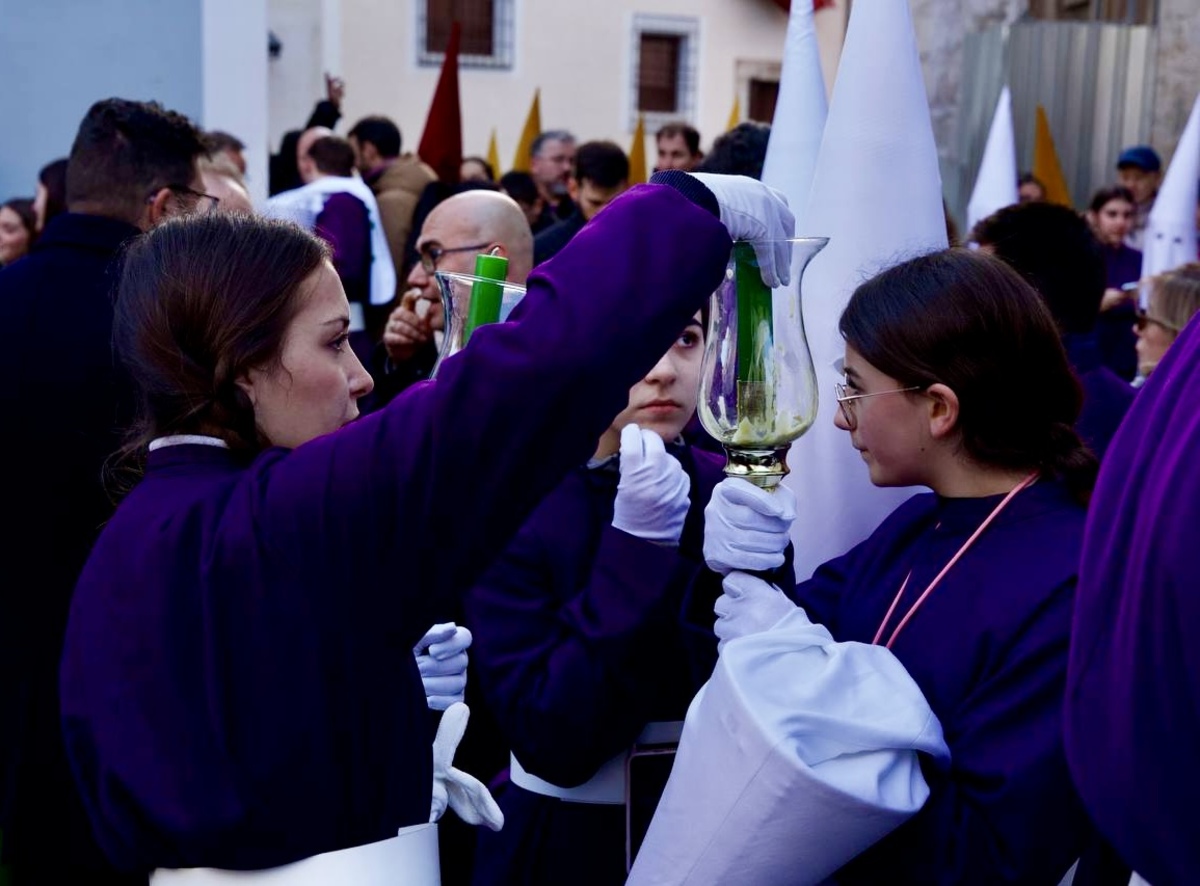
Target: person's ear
x,y
943,411
573,189
496,249
245,383
159,207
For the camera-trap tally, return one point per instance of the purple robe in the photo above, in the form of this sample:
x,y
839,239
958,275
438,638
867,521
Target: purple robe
x,y
1133,698
579,643
989,650
346,226
238,684
1114,328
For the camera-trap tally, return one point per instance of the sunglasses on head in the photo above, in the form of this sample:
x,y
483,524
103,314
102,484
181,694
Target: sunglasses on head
x,y
1143,320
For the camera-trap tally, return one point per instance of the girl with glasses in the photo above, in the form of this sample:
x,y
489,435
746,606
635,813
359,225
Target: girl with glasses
x,y
956,380
1174,300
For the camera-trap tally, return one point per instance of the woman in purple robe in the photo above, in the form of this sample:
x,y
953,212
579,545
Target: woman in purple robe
x,y
239,689
1133,687
955,380
1111,215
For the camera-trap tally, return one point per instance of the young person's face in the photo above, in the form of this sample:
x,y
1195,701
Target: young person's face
x,y
889,428
14,236
591,197
673,153
1142,182
315,387
1112,222
665,400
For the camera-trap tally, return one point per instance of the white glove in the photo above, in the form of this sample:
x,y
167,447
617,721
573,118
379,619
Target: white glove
x,y
746,527
442,660
465,794
752,211
652,495
748,606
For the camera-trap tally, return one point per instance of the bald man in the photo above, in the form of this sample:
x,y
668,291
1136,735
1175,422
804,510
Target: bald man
x,y
458,229
222,180
305,163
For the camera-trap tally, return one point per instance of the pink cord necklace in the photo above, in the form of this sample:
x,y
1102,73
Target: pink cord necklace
x,y
1024,484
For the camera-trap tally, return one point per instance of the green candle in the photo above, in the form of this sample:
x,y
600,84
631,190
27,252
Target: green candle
x,y
754,329
486,297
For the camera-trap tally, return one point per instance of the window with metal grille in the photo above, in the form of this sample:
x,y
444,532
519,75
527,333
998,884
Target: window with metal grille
x,y
487,32
1123,12
663,69
476,17
658,72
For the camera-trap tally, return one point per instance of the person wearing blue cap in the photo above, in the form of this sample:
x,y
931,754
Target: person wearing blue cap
x,y
1139,169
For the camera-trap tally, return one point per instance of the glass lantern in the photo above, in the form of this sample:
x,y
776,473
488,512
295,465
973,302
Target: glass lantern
x,y
469,302
758,388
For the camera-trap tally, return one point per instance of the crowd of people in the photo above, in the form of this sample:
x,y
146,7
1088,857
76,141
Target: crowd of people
x,y
271,556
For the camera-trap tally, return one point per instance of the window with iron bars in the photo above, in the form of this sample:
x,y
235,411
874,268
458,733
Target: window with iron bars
x,y
663,75
487,32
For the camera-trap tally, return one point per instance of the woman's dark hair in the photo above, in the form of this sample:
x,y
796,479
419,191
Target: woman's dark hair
x,y
53,178
740,151
201,301
23,207
1107,195
487,167
970,322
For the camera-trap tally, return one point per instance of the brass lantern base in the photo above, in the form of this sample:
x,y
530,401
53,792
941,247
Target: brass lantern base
x,y
765,468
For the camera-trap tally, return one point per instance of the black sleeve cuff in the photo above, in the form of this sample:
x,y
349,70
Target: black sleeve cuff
x,y
690,187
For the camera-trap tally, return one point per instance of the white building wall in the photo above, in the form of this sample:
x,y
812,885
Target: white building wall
x,y
578,52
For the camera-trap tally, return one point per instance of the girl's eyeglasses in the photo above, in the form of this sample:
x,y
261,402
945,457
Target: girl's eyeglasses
x,y
847,401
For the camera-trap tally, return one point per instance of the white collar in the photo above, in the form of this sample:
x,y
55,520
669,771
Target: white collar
x,y
187,440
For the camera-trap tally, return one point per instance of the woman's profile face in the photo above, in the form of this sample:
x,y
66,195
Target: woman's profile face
x,y
1153,338
314,390
14,236
1112,222
889,427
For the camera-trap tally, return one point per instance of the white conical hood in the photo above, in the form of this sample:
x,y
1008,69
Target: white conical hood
x,y
877,195
996,184
1170,238
799,112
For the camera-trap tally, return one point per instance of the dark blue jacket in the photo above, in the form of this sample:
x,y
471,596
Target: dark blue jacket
x,y
65,404
1106,396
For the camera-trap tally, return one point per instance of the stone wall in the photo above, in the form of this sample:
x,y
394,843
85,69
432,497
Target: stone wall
x,y
1177,79
942,26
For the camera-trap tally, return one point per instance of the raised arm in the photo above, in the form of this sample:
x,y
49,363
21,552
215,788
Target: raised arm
x,y
431,488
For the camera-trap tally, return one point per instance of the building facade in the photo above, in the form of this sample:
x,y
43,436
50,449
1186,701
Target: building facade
x,y
597,66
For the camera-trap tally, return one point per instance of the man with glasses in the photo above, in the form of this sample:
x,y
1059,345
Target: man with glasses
x,y
457,230
133,164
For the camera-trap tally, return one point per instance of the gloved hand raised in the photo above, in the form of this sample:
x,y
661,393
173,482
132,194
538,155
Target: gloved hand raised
x,y
748,605
652,495
746,527
464,793
752,211
442,660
